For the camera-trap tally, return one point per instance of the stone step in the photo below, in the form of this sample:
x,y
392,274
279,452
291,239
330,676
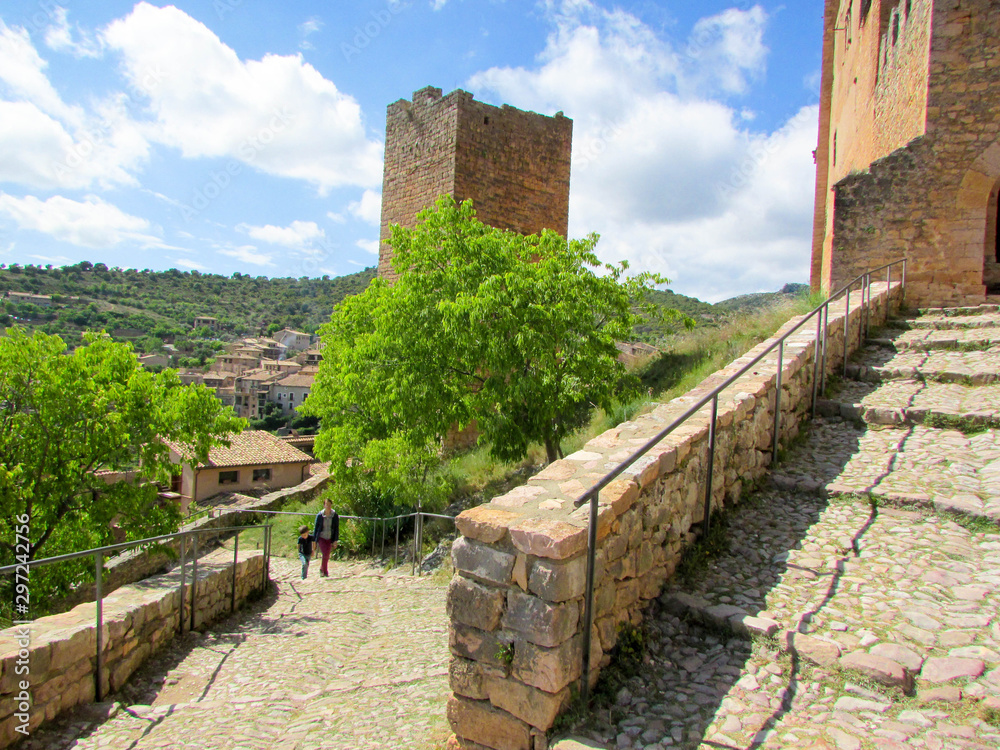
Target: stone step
x,y
959,311
916,465
931,339
908,402
877,364
945,323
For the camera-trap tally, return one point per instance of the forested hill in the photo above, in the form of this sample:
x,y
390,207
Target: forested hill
x,y
164,303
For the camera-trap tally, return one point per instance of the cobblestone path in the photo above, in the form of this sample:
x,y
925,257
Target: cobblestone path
x,y
857,604
357,660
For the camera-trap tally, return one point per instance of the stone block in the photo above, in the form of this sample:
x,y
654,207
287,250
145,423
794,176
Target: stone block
x,y
620,494
948,668
472,604
474,644
480,722
539,621
482,561
878,668
549,669
520,572
485,523
815,650
467,677
558,581
534,706
555,540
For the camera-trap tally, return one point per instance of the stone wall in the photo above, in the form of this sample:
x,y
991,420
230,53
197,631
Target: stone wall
x,y
56,655
138,563
516,600
514,165
933,199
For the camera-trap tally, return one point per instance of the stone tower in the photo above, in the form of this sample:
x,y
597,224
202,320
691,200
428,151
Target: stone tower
x,y
908,160
514,165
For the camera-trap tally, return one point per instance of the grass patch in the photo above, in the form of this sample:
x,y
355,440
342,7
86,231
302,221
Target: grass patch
x,y
965,425
708,547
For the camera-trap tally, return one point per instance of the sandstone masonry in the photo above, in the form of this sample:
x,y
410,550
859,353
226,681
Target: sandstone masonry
x,y
138,620
516,600
514,165
908,160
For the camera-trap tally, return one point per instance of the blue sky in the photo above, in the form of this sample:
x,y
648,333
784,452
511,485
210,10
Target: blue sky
x,y
247,135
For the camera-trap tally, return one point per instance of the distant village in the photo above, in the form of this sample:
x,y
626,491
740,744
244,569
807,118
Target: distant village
x,y
255,370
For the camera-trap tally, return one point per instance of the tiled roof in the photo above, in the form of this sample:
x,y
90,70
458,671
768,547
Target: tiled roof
x,y
250,448
298,380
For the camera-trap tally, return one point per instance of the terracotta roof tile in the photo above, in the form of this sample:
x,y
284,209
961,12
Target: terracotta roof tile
x,y
250,448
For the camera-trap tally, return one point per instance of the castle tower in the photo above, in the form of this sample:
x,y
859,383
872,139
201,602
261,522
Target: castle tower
x,y
514,165
908,159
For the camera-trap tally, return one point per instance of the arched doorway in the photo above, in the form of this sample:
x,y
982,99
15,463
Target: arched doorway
x,y
991,245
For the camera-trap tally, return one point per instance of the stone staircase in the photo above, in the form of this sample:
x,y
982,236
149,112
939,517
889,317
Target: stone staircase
x,y
857,604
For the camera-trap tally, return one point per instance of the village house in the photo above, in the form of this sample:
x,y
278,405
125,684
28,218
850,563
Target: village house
x,y
206,321
310,357
286,366
254,461
293,339
252,389
42,300
291,391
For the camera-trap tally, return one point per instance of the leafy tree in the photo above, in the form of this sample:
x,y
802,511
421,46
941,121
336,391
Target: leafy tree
x,y
65,417
271,418
516,333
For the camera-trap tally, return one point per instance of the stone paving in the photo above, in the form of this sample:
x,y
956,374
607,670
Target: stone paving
x,y
857,603
356,660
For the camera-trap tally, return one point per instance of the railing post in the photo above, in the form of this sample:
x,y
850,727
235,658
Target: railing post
x,y
847,326
236,557
413,558
99,607
777,403
268,533
194,576
816,348
588,598
863,320
711,466
395,550
826,328
180,612
382,553
902,286
373,537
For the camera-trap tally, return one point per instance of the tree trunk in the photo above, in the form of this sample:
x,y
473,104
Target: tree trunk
x,y
551,449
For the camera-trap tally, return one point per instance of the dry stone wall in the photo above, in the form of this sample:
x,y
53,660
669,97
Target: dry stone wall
x,y
516,602
49,666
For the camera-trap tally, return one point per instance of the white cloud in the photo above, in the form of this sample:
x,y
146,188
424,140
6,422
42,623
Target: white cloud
x,y
298,234
59,37
190,264
249,254
335,217
56,260
369,246
22,72
92,222
278,114
368,209
306,29
438,4
663,167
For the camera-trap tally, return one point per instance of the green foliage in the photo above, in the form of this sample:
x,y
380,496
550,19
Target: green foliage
x,y
505,654
165,303
708,547
514,333
271,418
64,417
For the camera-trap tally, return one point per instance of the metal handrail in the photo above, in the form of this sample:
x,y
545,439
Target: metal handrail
x,y
822,314
98,554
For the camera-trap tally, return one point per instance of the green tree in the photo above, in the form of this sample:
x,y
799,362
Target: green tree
x,y
516,333
65,417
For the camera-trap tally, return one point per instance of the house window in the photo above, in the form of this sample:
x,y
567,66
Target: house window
x,y
229,477
291,397
261,475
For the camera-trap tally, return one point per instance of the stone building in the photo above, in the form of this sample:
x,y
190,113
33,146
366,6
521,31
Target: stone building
x,y
514,165
908,159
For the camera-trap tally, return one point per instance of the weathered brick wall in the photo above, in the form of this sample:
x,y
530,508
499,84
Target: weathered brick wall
x,y
516,600
514,165
138,620
933,199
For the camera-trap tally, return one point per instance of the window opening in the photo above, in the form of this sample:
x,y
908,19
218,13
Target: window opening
x,y
229,477
261,474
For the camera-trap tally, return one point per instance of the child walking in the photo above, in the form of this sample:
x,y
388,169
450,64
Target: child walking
x,y
305,549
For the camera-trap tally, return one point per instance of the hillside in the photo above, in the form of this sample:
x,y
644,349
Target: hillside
x,y
136,305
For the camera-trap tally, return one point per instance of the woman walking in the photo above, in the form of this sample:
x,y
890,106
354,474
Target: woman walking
x,y
326,533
